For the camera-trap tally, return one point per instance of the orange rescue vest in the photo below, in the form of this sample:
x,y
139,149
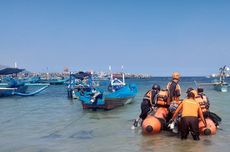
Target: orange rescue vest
x,y
190,108
202,102
162,98
148,95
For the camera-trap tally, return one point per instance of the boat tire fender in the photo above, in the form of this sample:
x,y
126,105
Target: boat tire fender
x,y
149,129
207,131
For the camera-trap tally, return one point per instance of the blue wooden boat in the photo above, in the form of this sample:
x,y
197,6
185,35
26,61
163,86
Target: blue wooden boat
x,y
10,86
78,83
118,94
52,80
102,100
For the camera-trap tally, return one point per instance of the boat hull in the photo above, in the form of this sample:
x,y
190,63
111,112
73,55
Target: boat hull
x,y
109,104
154,124
109,101
221,87
209,130
52,82
10,91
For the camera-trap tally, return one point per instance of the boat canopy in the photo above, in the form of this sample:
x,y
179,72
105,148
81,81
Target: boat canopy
x,y
81,75
7,71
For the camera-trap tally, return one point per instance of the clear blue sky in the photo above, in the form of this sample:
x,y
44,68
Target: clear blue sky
x,y
146,36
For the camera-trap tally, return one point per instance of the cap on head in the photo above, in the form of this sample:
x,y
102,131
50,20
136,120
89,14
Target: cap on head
x,y
176,75
156,87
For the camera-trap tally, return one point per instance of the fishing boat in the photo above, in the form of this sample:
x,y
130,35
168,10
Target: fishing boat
x,y
219,85
52,80
10,85
79,82
222,85
118,94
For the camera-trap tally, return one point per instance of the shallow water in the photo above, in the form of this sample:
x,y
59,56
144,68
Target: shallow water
x,y
50,122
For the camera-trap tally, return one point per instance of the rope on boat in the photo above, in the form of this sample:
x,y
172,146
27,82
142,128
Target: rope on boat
x,y
66,126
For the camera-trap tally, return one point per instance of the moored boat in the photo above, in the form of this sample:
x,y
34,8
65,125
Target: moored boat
x,y
83,87
101,100
222,87
52,80
78,83
10,85
219,85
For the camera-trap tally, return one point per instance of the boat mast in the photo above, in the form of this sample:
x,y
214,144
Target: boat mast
x,y
15,65
91,80
111,75
123,74
223,71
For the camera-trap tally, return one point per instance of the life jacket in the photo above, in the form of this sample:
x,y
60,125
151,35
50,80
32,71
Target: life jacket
x,y
162,98
190,108
148,95
205,98
203,102
174,91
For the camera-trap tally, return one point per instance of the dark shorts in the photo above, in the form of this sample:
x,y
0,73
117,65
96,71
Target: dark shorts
x,y
189,123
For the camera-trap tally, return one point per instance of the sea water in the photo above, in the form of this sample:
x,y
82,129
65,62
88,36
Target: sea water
x,y
50,122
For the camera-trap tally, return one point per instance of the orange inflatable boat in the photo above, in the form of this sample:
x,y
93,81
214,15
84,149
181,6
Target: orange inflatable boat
x,y
209,130
152,124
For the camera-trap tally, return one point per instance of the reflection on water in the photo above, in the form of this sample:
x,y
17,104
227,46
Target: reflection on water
x,y
50,122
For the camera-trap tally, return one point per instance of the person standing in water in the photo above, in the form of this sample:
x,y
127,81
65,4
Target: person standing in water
x,y
174,91
174,88
148,103
203,100
190,112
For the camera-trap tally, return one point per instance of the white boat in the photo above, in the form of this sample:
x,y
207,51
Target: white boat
x,y
219,85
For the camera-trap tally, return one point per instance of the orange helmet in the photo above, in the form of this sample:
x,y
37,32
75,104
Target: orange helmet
x,y
176,75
